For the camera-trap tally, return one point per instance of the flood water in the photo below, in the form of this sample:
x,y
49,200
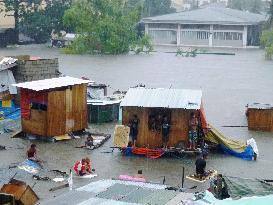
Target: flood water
x,y
228,84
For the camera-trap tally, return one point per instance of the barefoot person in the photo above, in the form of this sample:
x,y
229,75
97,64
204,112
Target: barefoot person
x,y
193,124
32,153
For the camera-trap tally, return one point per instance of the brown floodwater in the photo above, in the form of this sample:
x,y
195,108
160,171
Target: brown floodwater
x,y
228,84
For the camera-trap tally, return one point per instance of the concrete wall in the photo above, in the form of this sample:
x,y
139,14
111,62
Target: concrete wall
x,y
30,70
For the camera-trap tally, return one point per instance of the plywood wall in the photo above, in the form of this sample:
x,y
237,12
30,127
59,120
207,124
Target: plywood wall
x,y
260,120
67,110
152,139
56,113
37,124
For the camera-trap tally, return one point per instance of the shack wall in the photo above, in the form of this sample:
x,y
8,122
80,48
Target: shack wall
x,y
146,137
260,119
33,120
67,110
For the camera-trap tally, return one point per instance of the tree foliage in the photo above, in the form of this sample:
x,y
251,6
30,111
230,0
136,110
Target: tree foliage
x,y
36,18
103,26
151,7
267,43
157,7
39,23
18,8
255,6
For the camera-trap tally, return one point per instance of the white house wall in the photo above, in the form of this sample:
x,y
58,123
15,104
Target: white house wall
x,y
212,36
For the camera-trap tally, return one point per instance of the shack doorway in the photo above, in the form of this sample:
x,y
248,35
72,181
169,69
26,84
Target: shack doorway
x,y
156,117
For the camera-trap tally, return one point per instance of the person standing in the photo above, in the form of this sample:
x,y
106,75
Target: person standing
x,y
165,130
200,166
134,129
193,125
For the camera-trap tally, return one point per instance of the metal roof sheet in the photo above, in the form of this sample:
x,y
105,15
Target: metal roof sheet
x,y
7,62
116,192
260,106
46,84
162,98
210,15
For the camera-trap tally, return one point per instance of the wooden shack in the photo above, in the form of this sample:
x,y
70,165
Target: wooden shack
x,y
260,117
23,194
176,104
53,107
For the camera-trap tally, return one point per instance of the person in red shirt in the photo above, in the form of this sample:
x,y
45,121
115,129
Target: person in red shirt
x,y
80,167
88,166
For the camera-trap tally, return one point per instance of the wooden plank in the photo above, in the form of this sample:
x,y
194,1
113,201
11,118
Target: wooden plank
x,y
153,139
29,197
260,120
37,124
79,107
56,117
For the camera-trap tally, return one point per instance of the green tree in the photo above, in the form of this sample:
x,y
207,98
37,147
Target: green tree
x,y
103,26
157,7
36,18
18,8
39,23
267,43
255,6
271,13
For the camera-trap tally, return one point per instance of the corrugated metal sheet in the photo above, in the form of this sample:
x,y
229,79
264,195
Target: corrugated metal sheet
x,y
7,79
46,84
260,106
112,192
7,62
162,98
210,15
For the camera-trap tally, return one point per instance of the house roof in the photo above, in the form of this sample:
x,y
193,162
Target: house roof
x,y
260,106
162,98
116,192
209,15
46,84
7,62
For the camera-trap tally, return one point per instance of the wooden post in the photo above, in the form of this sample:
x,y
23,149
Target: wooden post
x,y
245,37
178,35
210,35
183,176
146,29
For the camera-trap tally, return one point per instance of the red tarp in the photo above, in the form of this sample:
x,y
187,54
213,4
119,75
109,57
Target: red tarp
x,y
28,97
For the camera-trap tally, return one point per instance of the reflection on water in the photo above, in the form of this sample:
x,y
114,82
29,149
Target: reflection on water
x,y
228,84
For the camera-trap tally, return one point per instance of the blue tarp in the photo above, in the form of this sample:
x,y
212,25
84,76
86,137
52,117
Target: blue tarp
x,y
127,151
13,112
247,154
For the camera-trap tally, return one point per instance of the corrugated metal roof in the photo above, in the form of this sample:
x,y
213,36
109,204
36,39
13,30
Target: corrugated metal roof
x,y
260,106
162,98
7,62
46,84
111,192
210,15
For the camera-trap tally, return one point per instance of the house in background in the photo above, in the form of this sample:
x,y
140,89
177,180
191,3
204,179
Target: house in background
x,y
206,27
